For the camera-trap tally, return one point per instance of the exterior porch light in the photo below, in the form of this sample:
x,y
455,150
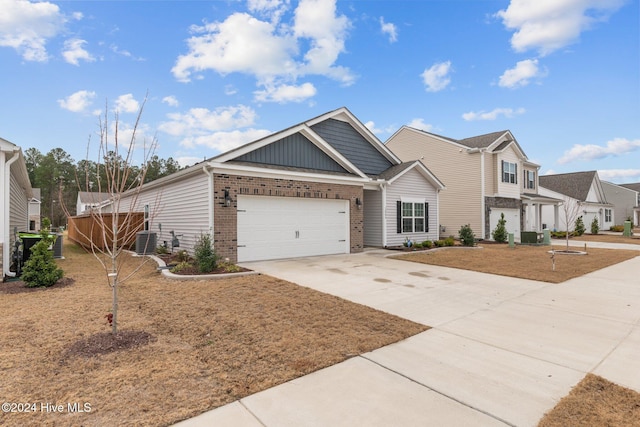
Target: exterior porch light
x,y
358,203
227,198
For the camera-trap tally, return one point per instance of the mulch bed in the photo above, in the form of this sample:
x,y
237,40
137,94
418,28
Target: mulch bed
x,y
18,286
108,342
172,260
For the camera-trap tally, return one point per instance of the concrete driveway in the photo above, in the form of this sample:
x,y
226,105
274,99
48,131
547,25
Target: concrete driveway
x,y
501,351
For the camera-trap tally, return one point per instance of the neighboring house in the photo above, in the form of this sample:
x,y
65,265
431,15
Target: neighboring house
x,y
34,211
486,176
324,186
88,200
583,190
625,202
15,193
635,186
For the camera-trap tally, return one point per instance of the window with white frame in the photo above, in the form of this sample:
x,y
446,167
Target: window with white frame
x,y
413,217
529,179
509,172
607,215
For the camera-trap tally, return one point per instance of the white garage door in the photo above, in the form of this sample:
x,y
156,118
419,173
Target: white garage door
x,y
513,221
288,227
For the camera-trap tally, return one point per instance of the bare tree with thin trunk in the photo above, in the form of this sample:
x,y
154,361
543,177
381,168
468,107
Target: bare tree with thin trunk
x,y
571,210
121,181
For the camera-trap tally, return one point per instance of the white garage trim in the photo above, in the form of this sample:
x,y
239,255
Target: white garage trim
x,y
288,227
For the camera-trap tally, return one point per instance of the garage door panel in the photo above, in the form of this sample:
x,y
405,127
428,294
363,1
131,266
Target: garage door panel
x,y
279,227
513,220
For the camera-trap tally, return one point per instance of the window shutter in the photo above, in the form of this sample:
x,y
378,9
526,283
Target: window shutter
x,y
426,217
502,177
399,216
515,173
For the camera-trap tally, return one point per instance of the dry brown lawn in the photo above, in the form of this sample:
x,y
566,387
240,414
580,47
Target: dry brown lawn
x,y
596,402
212,342
606,238
526,262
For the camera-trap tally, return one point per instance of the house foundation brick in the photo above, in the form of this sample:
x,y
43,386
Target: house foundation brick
x,y
225,219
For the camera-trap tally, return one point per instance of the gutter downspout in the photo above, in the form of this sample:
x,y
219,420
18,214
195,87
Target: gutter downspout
x,y
482,191
383,188
7,214
209,197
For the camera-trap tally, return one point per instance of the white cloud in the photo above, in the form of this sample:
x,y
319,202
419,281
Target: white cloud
x,y
619,175
171,101
286,93
493,114
269,50
127,104
221,129
615,147
389,29
420,124
521,74
549,25
185,161
26,27
372,127
436,78
74,51
77,102
123,52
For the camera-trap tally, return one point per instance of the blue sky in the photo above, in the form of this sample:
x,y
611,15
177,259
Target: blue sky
x,y
562,75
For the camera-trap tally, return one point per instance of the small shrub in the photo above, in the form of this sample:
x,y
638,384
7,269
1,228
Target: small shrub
x,y
41,269
230,268
162,250
594,226
181,266
467,237
449,241
182,256
438,243
500,232
205,256
617,228
417,245
579,226
427,244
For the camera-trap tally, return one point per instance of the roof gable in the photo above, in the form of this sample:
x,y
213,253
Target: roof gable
x,y
351,144
396,171
575,185
296,151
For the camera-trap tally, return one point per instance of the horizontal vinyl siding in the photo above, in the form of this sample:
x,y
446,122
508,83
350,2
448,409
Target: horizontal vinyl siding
x,y
179,206
509,190
19,208
459,171
410,185
373,218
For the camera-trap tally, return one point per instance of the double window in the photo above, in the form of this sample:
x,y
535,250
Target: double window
x,y
509,172
413,217
607,215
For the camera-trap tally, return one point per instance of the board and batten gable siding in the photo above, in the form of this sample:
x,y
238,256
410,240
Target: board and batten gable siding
x,y
410,186
373,218
348,142
509,190
624,200
180,206
293,151
19,208
461,202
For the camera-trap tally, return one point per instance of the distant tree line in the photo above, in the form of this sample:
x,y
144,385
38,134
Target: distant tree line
x,y
59,177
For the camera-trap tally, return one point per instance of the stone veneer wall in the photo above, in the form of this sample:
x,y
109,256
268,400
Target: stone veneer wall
x,y
500,202
225,218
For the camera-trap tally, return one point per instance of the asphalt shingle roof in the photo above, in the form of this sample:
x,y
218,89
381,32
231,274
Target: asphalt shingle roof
x,y
575,185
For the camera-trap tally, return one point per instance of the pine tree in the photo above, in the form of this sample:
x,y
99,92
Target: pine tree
x,y
500,232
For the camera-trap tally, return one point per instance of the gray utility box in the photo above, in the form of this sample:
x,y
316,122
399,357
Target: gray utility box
x,y
57,247
146,242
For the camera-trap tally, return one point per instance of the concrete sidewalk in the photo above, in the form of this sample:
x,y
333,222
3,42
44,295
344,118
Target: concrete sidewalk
x,y
502,351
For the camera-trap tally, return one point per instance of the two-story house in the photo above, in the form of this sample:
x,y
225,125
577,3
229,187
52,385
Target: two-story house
x,y
485,176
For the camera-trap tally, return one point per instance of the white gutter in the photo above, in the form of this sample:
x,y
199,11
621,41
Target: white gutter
x,y
209,197
383,187
6,250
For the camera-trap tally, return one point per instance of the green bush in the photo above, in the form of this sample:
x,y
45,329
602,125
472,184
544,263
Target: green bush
x,y
417,245
594,226
500,232
449,241
41,269
205,256
617,228
467,237
579,227
180,267
230,268
427,244
438,243
182,256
